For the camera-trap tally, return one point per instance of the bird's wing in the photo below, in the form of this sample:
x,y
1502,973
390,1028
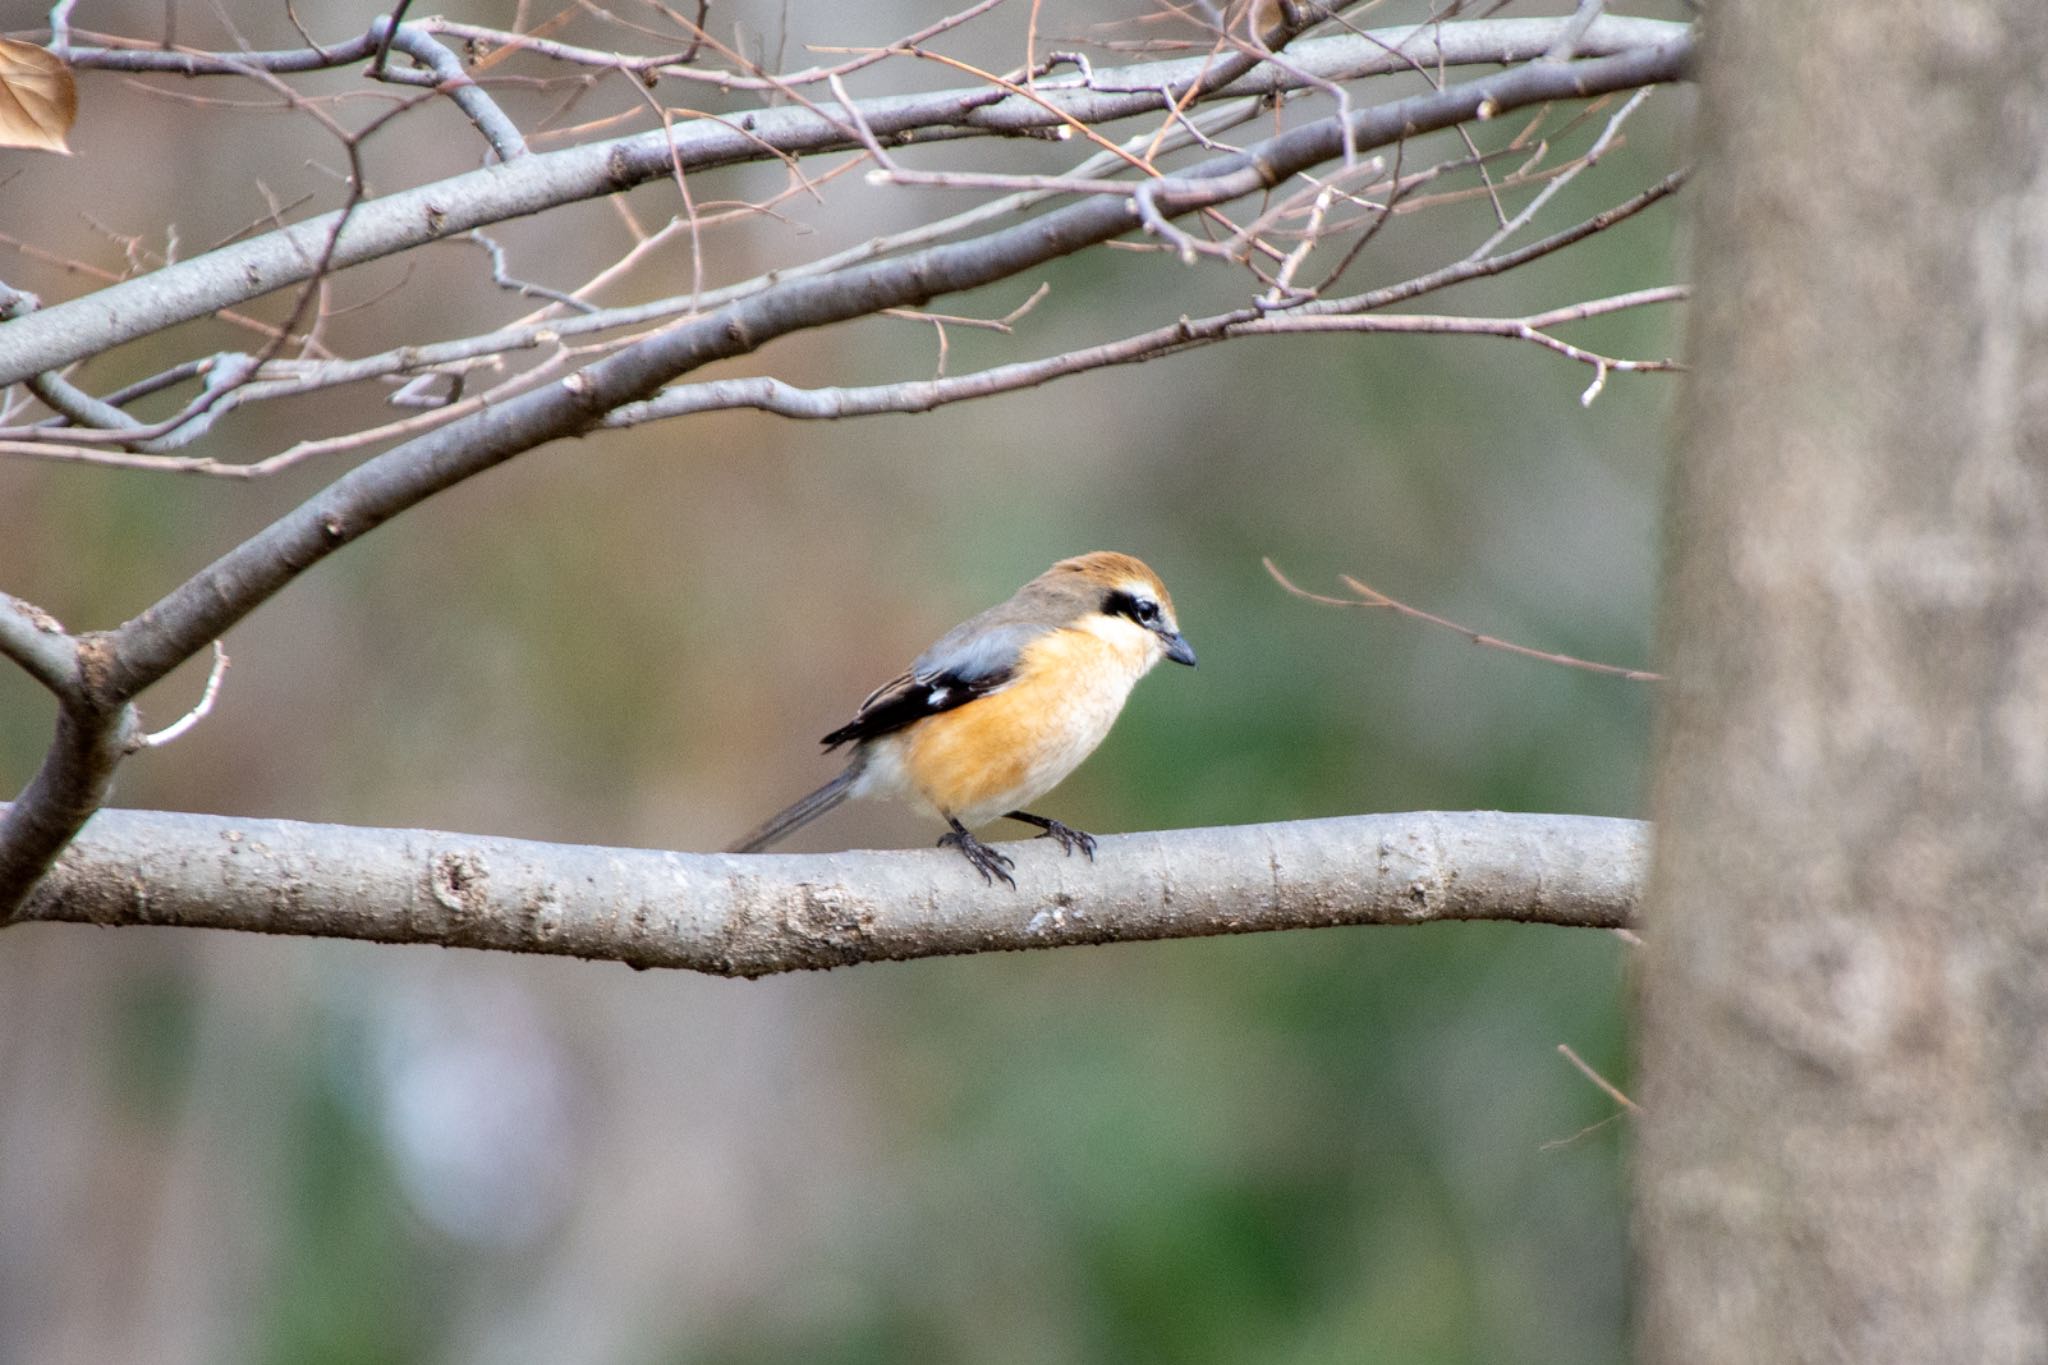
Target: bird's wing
x,y
972,660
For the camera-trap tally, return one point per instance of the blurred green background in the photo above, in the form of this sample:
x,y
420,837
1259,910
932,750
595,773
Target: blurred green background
x,y
1331,1146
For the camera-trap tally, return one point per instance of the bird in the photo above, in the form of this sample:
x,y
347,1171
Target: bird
x,y
1003,707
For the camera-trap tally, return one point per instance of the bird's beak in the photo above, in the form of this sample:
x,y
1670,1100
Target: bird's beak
x,y
1178,649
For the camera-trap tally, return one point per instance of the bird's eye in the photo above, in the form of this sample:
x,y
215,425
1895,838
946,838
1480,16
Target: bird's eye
x,y
1143,610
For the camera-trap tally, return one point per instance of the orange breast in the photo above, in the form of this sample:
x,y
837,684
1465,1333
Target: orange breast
x,y
1010,747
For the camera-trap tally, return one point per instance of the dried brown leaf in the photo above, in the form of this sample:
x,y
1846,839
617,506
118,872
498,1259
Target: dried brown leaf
x,y
38,101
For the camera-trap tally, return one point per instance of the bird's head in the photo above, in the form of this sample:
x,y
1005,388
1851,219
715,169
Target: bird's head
x,y
1123,599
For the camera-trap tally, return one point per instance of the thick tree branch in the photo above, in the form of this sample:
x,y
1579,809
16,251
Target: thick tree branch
x,y
761,914
72,782
65,333
36,640
469,97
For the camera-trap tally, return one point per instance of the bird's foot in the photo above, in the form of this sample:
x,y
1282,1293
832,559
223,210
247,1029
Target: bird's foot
x,y
1070,839
1066,836
985,860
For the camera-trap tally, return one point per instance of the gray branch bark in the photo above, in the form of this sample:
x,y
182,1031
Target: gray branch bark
x,y
761,914
1844,1145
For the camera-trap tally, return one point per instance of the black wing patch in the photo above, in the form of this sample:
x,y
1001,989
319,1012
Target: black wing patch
x,y
910,698
975,658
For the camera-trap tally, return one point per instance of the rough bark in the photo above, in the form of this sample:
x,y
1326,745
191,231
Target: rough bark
x,y
1845,1149
763,913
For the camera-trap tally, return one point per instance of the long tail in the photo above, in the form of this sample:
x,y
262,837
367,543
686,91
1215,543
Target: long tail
x,y
801,814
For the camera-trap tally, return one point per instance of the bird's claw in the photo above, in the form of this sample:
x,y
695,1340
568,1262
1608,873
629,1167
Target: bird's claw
x,y
985,860
1070,839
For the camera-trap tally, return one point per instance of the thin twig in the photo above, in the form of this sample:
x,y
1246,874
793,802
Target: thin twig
x,y
1567,44
1530,329
1369,597
1586,1132
159,738
676,65
501,277
1601,144
1613,1091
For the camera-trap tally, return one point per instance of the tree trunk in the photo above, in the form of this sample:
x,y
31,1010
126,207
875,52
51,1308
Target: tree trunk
x,y
1844,1046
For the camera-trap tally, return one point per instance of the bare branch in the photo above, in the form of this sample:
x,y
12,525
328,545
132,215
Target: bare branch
x,y
1543,196
775,396
71,783
37,641
64,333
1495,265
540,329
158,738
1612,1090
768,394
1567,45
204,607
502,277
1531,328
125,54
1371,597
449,77
759,914
675,65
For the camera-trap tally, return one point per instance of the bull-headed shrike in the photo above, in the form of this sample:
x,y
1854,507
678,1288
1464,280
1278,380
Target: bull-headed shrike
x,y
1004,706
